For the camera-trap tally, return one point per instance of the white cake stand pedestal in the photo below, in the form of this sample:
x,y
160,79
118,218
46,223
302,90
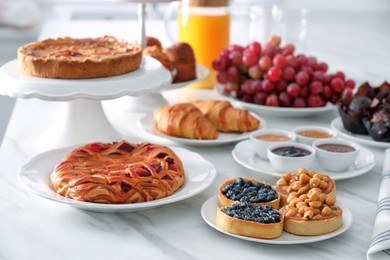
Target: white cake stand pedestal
x,y
81,118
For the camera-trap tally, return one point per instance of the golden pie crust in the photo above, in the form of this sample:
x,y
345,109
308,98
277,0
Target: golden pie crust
x,y
249,228
118,172
71,58
224,201
299,225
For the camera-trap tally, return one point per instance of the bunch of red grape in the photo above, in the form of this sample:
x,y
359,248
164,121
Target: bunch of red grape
x,y
274,76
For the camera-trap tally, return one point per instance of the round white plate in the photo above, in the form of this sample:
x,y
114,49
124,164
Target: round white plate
x,y
150,77
202,73
245,155
147,124
209,214
280,111
35,176
338,126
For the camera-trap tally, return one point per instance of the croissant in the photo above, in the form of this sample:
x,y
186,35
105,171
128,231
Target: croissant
x,y
226,118
184,120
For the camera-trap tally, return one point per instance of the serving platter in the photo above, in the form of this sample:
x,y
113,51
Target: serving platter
x,y
209,214
35,177
244,154
337,125
147,124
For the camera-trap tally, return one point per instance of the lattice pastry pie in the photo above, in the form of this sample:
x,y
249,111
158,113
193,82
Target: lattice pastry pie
x,y
71,58
118,172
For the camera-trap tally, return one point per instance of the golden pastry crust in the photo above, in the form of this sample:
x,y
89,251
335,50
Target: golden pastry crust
x,y
302,181
157,53
71,58
118,172
224,201
183,58
319,224
248,228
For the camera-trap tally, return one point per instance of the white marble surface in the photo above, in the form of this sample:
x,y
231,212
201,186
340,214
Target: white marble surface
x,y
34,228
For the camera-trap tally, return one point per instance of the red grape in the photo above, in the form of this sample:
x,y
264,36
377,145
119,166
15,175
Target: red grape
x,y
291,61
337,84
274,40
249,59
280,61
281,86
293,89
255,72
247,87
255,48
272,100
318,75
222,77
304,92
224,53
316,87
288,73
220,64
299,102
340,75
285,99
322,66
256,86
235,57
260,98
267,85
326,92
315,101
265,62
274,74
302,78
270,51
350,84
289,48
301,59
347,93
233,73
235,47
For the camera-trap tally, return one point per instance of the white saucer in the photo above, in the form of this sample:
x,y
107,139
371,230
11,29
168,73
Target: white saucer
x,y
202,73
146,123
338,126
34,175
209,214
245,155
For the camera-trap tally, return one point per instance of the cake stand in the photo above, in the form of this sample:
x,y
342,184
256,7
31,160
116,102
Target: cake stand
x,y
81,117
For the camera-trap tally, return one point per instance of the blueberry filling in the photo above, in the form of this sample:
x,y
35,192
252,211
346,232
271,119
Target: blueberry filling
x,y
248,191
262,214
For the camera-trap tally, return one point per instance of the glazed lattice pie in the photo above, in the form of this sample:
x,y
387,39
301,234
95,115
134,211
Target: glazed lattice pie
x,y
71,58
118,172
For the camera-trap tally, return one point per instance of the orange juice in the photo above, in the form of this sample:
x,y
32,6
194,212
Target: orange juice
x,y
208,34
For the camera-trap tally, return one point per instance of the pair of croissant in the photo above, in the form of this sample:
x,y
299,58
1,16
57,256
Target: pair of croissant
x,y
203,119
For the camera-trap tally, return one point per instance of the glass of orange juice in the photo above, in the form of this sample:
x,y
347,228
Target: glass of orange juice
x,y
205,25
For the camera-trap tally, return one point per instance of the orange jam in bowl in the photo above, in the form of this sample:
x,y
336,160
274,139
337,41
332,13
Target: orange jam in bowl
x,y
273,138
314,134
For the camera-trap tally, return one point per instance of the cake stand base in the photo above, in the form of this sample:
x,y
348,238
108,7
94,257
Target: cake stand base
x,y
78,122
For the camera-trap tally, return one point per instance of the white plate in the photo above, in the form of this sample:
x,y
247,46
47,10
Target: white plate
x,y
209,214
245,155
150,77
35,176
338,126
280,111
202,73
146,122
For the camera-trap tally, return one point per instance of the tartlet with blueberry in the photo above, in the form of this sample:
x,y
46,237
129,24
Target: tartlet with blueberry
x,y
247,190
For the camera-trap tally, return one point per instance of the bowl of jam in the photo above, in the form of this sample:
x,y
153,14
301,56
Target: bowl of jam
x,y
291,156
310,134
262,139
336,155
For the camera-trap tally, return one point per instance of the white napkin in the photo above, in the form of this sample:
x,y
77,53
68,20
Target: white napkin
x,y
380,243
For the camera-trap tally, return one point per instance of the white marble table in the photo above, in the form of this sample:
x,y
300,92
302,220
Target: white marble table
x,y
34,228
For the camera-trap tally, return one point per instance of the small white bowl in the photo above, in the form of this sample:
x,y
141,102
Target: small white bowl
x,y
336,161
261,146
285,163
309,140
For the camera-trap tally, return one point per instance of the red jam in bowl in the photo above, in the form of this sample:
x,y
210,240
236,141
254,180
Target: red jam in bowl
x,y
336,148
291,151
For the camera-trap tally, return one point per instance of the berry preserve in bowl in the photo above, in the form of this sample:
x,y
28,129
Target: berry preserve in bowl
x,y
336,155
291,156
